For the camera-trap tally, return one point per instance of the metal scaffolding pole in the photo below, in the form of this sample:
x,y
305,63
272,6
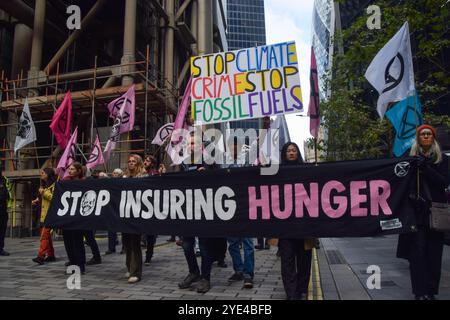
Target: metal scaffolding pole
x,y
93,101
147,57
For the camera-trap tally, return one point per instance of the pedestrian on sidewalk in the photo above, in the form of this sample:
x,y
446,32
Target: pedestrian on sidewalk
x,y
423,248
132,242
46,251
296,254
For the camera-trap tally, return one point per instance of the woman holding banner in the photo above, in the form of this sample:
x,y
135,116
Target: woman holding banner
x,y
73,239
295,253
132,242
423,248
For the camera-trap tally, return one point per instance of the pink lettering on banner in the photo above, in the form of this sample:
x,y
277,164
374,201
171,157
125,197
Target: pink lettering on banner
x,y
262,202
356,198
275,197
378,199
341,201
303,200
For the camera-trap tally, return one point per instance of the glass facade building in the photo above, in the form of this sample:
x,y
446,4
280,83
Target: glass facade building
x,y
246,28
323,30
246,24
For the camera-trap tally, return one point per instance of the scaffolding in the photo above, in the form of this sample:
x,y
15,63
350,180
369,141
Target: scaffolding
x,y
151,101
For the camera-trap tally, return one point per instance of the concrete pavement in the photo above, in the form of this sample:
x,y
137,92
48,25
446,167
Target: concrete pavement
x,y
339,272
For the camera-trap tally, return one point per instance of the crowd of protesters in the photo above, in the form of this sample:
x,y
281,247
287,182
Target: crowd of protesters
x,y
423,248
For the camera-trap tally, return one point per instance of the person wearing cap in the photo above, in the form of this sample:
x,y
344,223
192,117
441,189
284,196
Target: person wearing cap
x,y
423,248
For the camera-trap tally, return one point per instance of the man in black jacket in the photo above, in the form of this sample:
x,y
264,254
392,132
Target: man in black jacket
x,y
210,248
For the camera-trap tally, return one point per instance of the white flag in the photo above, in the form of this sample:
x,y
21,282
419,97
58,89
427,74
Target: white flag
x,y
391,72
26,132
163,133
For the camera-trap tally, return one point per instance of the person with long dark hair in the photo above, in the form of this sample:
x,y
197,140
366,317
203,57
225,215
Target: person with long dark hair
x,y
46,251
73,239
295,253
423,248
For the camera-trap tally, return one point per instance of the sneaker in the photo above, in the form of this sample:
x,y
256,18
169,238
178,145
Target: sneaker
x,y
248,283
93,261
203,286
39,260
133,279
237,276
127,275
189,280
50,259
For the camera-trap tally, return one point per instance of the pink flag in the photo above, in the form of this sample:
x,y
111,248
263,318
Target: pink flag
x,y
68,156
314,108
61,121
123,122
182,110
129,99
96,157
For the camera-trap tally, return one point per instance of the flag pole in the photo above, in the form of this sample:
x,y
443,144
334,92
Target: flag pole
x,y
98,135
93,100
54,107
315,150
81,151
37,154
147,58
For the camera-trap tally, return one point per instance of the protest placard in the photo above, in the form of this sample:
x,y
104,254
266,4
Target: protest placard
x,y
245,84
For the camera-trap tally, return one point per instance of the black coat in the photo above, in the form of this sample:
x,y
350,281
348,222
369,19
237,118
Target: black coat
x,y
434,179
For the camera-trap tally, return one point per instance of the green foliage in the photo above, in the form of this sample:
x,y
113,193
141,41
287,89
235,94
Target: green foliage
x,y
353,128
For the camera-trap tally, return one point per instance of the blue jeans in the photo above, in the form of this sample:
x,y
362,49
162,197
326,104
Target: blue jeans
x,y
247,267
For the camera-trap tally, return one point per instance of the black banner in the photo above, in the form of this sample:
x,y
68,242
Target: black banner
x,y
339,199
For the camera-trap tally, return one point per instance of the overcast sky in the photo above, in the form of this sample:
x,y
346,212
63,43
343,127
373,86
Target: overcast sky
x,y
288,20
